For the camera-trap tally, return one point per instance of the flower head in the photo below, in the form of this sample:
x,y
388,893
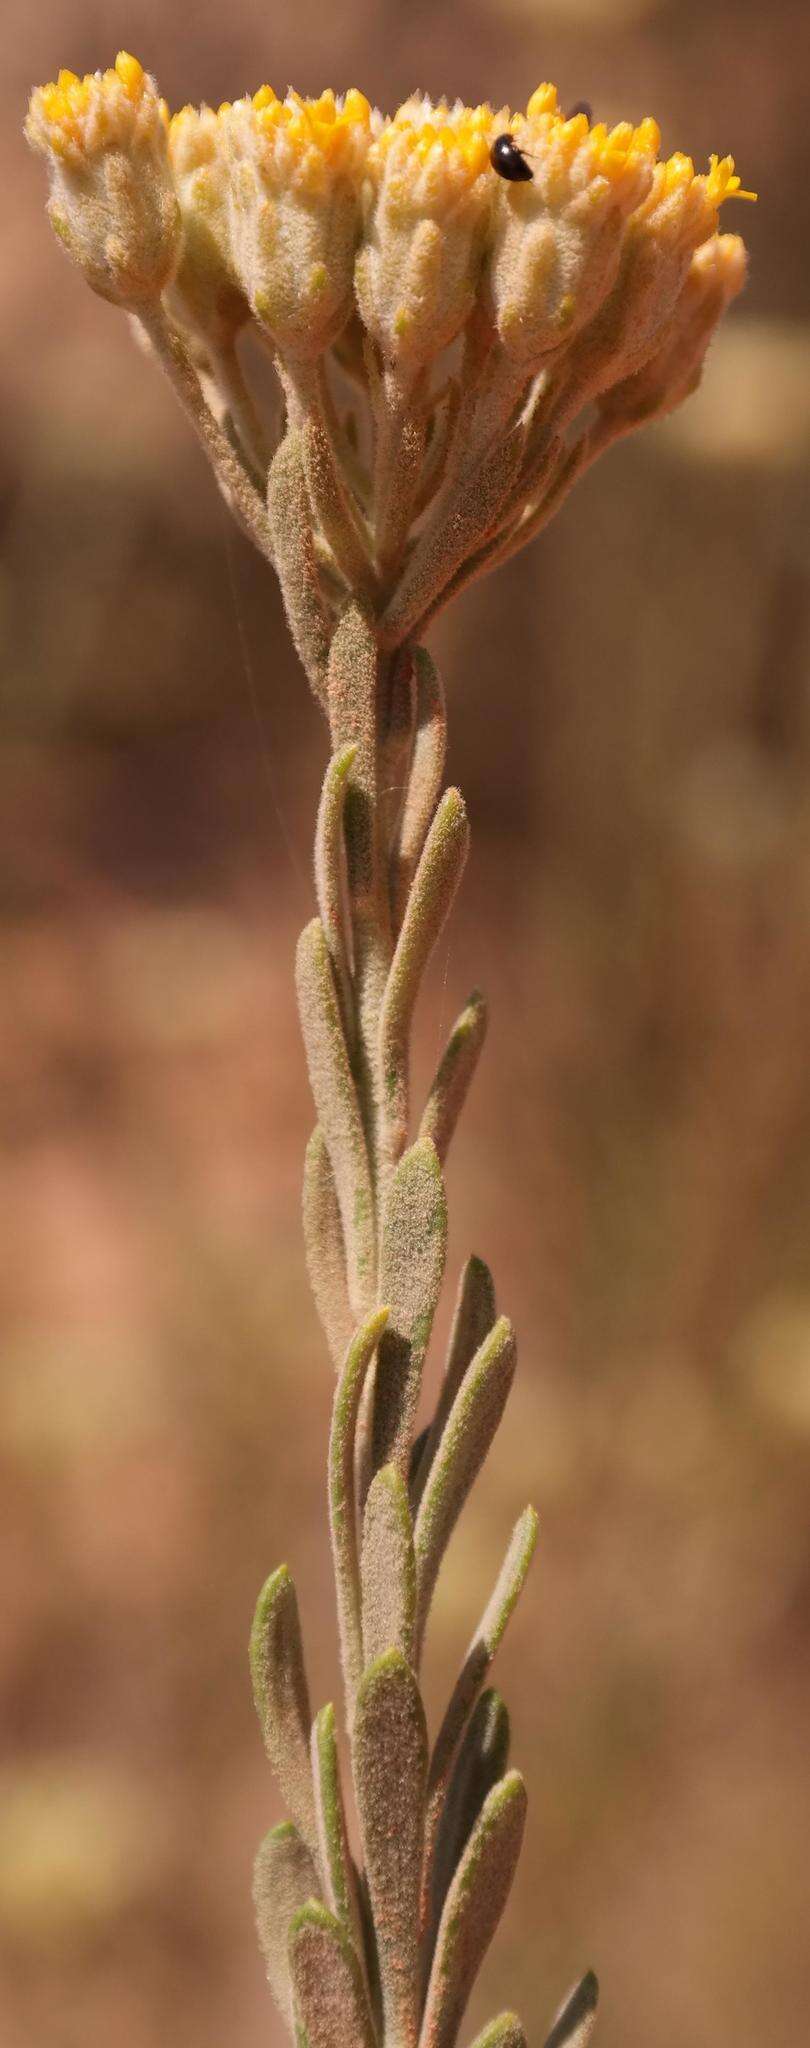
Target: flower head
x,y
295,168
205,292
429,197
716,274
112,201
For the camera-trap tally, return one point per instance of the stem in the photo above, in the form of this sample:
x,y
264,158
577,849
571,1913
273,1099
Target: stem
x,y
240,493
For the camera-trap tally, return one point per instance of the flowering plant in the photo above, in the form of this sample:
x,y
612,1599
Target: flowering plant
x,y
465,307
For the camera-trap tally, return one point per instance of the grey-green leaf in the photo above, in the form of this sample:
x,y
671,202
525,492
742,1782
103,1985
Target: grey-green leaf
x,y
412,1255
293,546
337,1106
424,780
466,1439
482,1649
504,2032
282,1697
576,2019
331,1819
429,902
454,1075
330,880
482,1759
472,1909
342,1507
325,1249
388,1568
284,1878
474,1316
389,1760
330,1999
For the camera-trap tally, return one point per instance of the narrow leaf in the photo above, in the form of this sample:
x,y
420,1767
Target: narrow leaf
x,y
454,533
434,886
474,1316
481,1761
335,514
388,1568
325,1250
293,547
454,1075
424,780
354,689
466,1439
576,2019
282,1696
284,1878
389,1758
329,1994
337,1106
485,1643
412,1255
504,2032
330,883
472,1909
342,1510
336,1862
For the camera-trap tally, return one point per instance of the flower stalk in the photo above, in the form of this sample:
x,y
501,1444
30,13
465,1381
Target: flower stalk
x,y
453,351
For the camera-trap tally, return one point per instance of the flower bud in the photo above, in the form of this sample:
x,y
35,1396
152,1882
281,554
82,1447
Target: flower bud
x,y
204,294
716,274
428,204
112,201
558,235
295,169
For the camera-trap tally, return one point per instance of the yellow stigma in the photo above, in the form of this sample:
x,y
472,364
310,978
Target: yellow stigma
x,y
722,181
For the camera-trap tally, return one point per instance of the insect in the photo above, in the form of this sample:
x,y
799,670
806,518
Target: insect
x,y
582,107
509,161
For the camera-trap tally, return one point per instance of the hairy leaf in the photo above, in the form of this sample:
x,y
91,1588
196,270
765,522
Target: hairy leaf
x,y
329,1994
424,780
504,2032
388,1568
325,1249
472,1909
576,2019
481,1761
412,1255
291,527
483,1648
465,1441
333,507
342,1509
434,886
454,533
454,1074
284,1878
353,682
337,1106
329,873
282,1697
389,1758
474,1316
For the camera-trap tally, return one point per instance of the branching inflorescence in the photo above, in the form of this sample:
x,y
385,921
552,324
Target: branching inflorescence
x,y
453,348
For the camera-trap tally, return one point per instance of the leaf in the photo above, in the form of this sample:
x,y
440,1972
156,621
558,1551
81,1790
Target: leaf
x,y
412,1255
342,1510
329,1994
282,1697
388,1568
330,881
576,2019
504,2032
472,1909
389,1759
284,1878
333,509
325,1250
485,1643
291,528
354,690
338,1109
474,1316
336,1862
454,1075
424,780
456,531
481,1761
465,1441
430,898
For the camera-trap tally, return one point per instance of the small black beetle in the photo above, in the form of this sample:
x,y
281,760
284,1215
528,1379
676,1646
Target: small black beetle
x,y
509,161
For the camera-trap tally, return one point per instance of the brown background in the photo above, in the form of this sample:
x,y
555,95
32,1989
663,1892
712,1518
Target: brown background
x,y
631,725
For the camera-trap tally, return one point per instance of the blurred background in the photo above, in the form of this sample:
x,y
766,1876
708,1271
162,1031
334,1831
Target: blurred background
x,y
630,717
